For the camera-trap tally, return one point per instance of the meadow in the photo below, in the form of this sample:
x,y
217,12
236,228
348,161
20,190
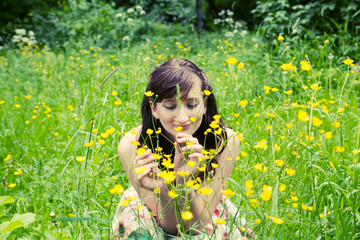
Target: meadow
x,y
294,108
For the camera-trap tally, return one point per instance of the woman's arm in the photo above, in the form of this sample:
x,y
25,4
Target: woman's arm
x,y
160,203
203,206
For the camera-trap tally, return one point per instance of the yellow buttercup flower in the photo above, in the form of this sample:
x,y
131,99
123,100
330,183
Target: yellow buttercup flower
x,y
240,65
207,92
280,38
286,66
315,87
80,158
8,157
167,176
140,151
191,163
316,121
348,61
104,135
228,192
89,144
328,135
206,190
243,103
303,116
183,173
266,195
290,171
149,93
117,189
280,163
187,215
336,124
172,194
179,128
282,187
140,170
339,149
249,184
18,171
305,65
262,144
220,221
192,184
288,92
124,203
193,119
231,61
277,220
110,130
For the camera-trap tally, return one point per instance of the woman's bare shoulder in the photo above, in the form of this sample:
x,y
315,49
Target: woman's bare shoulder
x,y
231,135
233,141
127,144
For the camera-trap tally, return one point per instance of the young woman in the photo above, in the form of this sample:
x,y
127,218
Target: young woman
x,y
179,161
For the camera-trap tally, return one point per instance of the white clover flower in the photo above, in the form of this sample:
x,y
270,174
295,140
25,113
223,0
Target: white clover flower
x,y
230,13
138,8
222,12
142,12
126,38
229,34
217,21
25,39
118,15
31,34
129,20
130,10
20,31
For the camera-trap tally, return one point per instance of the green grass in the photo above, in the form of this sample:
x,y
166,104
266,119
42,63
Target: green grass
x,y
47,132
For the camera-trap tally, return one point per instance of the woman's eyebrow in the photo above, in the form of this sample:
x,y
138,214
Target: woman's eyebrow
x,y
193,99
168,100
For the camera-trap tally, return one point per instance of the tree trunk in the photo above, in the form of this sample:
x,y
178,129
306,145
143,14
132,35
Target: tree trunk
x,y
199,16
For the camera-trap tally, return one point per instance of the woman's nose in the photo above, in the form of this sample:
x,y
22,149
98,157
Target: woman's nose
x,y
182,116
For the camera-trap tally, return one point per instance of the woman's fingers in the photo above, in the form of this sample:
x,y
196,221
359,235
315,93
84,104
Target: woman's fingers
x,y
184,138
192,148
142,160
196,156
148,168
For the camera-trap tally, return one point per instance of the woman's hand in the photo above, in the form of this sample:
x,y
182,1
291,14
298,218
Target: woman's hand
x,y
187,149
145,166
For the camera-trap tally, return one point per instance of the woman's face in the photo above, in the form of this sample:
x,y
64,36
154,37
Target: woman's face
x,y
185,114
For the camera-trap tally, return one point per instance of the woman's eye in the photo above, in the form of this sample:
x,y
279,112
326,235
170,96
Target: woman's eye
x,y
170,107
191,106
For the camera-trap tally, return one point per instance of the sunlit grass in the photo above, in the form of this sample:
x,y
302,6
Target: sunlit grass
x,y
297,173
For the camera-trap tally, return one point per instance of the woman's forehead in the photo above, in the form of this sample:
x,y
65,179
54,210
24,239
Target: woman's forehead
x,y
193,94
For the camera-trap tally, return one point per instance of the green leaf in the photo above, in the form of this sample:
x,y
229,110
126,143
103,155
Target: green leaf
x,y
10,225
6,199
140,233
25,218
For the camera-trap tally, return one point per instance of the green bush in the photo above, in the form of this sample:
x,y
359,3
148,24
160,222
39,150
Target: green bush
x,y
309,19
86,23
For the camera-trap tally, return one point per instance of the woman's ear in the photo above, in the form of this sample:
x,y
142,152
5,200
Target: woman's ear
x,y
153,110
205,108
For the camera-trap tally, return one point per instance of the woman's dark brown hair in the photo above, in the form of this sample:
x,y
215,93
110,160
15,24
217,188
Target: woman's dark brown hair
x,y
163,82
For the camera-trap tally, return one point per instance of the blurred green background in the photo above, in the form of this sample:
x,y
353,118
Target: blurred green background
x,y
115,24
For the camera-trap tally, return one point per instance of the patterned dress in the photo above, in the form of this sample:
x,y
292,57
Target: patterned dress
x,y
132,215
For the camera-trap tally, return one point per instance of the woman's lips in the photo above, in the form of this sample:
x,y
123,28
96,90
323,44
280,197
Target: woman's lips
x,y
185,127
